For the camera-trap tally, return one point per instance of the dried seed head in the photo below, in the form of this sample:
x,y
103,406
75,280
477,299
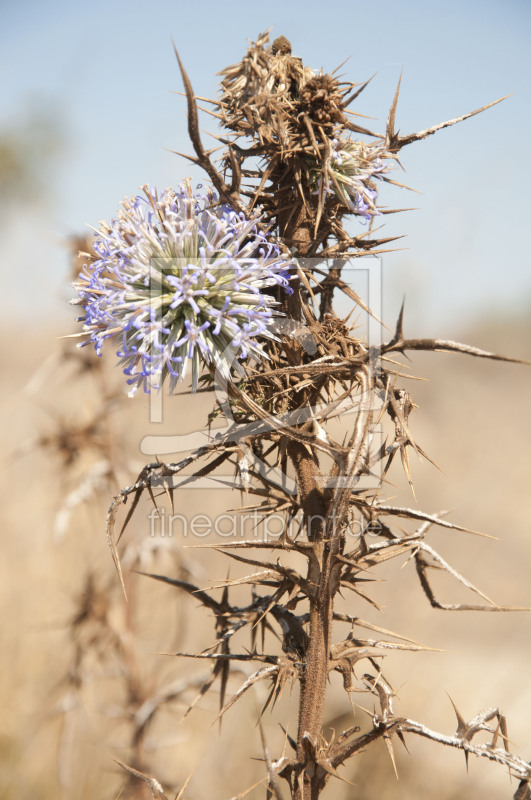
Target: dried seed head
x,y
259,90
282,46
93,604
322,100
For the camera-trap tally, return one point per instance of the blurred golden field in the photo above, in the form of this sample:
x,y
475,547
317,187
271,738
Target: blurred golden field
x,y
473,419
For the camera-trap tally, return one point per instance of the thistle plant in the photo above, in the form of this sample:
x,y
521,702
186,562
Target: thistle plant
x,y
243,283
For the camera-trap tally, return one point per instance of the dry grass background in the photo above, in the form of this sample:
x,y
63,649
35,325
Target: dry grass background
x,y
473,420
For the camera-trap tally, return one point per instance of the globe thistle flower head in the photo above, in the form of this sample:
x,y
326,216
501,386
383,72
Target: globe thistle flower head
x,y
178,282
349,172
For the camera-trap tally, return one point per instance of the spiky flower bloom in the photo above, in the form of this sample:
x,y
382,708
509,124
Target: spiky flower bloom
x,y
178,281
348,172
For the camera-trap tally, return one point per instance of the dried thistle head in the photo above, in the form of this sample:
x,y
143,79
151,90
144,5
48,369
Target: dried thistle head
x,y
91,630
322,100
258,91
70,440
93,603
299,124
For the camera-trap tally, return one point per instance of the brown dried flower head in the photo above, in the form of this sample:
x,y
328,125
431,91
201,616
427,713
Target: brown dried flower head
x,y
322,100
261,87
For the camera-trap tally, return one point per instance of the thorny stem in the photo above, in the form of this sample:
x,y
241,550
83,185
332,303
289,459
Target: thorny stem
x,y
296,226
315,667
323,586
313,684
312,500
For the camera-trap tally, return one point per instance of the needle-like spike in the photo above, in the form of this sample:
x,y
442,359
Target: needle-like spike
x,y
390,128
389,745
462,727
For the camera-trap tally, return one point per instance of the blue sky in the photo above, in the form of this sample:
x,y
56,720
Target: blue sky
x,y
107,71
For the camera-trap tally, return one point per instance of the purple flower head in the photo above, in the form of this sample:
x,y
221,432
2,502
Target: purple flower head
x,y
178,283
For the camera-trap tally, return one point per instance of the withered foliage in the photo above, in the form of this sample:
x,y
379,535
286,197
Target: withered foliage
x,y
280,123
105,657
